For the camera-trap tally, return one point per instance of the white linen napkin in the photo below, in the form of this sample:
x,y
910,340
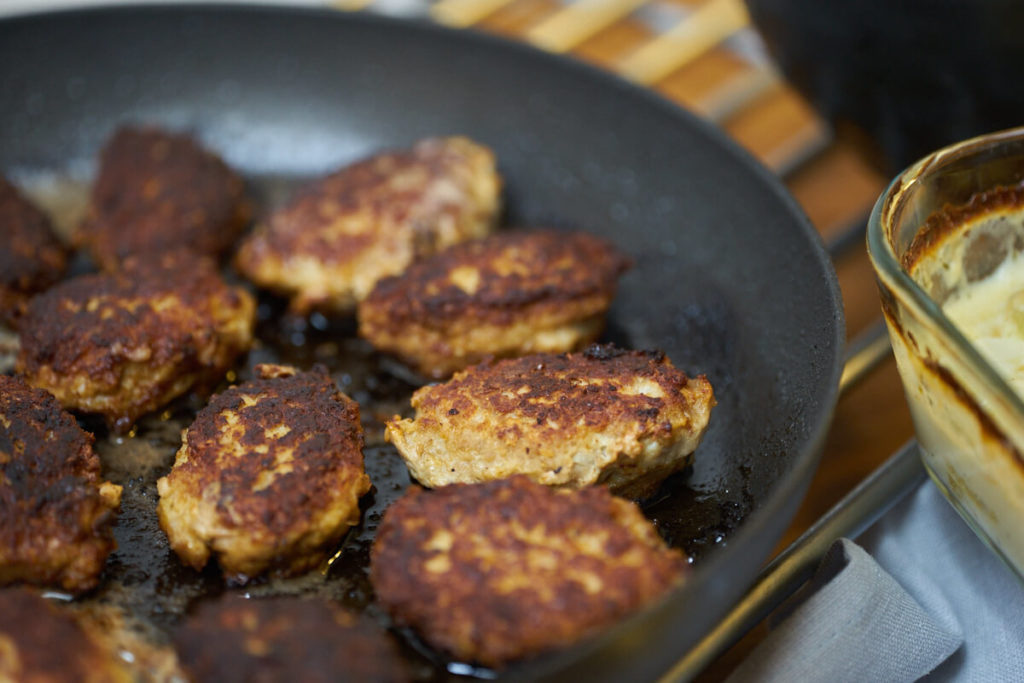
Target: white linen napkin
x,y
920,597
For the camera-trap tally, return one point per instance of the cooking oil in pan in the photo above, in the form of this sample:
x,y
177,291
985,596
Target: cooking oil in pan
x,y
145,578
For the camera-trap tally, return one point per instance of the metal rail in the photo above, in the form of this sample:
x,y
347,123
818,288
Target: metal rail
x,y
871,499
864,354
858,510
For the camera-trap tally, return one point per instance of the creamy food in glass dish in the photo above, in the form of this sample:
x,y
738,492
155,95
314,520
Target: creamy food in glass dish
x,y
947,244
990,313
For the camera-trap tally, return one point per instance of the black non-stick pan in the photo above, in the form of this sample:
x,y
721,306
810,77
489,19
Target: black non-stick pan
x,y
730,279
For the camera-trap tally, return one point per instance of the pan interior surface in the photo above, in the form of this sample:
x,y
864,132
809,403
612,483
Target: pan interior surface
x,y
730,279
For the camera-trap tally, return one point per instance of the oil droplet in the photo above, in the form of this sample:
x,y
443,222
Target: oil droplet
x,y
334,558
58,595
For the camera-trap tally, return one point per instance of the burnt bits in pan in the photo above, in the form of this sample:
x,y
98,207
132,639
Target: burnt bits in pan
x,y
510,294
126,343
268,478
495,572
157,190
327,248
56,512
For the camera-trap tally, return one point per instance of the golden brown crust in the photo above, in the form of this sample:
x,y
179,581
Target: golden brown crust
x,y
951,219
509,294
625,418
125,343
41,643
31,256
269,476
507,569
235,640
57,513
158,190
328,247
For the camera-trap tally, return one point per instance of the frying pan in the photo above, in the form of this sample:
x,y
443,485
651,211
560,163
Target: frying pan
x,y
730,279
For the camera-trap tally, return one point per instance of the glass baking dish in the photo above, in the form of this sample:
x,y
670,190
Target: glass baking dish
x,y
945,226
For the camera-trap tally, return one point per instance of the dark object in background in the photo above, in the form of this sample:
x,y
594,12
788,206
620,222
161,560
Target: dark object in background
x,y
913,75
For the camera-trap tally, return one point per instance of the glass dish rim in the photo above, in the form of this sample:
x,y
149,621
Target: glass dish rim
x,y
892,275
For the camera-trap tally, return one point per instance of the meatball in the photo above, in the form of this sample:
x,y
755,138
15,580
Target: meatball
x,y
330,245
126,343
506,569
604,416
31,256
57,512
284,639
43,643
509,294
268,477
158,190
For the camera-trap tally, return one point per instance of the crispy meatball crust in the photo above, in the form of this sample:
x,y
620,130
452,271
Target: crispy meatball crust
x,y
269,476
331,244
235,640
42,643
507,569
125,343
509,294
31,256
604,416
158,190
57,513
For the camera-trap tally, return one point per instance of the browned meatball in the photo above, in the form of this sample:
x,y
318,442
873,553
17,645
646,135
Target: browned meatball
x,y
330,245
498,571
158,190
56,513
284,639
509,294
125,343
43,643
31,256
604,416
269,476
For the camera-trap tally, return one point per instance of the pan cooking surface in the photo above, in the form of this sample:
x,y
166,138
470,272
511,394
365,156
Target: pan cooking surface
x,y
144,577
730,279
